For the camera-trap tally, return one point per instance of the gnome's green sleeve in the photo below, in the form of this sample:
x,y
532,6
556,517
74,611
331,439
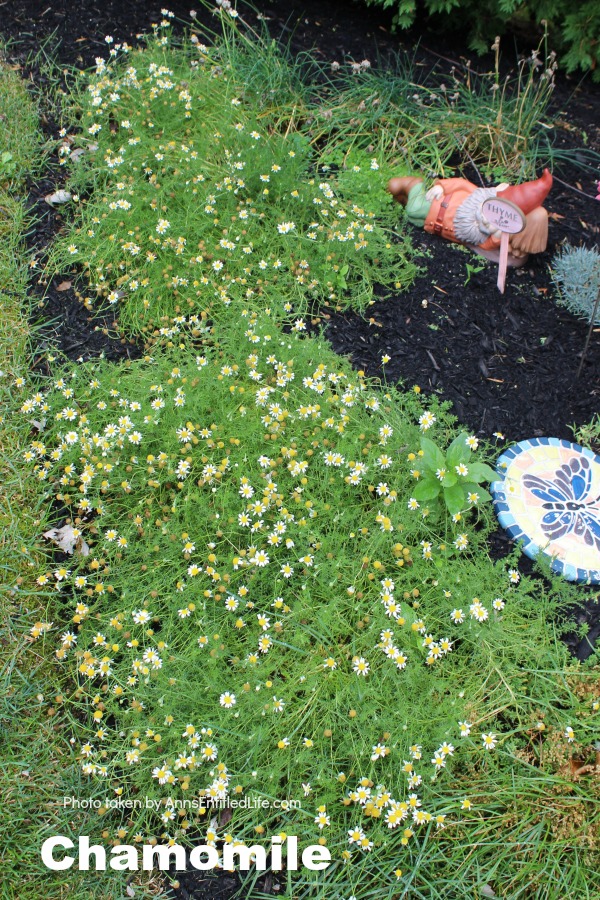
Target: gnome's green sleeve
x,y
417,205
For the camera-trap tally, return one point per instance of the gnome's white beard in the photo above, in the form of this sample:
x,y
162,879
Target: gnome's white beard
x,y
468,225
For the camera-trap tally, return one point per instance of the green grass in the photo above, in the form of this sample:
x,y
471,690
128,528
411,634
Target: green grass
x,y
262,612
20,148
37,762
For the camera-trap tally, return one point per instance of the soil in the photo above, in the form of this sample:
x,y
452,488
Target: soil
x,y
60,320
507,362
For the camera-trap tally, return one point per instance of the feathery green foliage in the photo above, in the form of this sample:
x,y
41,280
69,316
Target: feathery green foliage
x,y
576,273
574,31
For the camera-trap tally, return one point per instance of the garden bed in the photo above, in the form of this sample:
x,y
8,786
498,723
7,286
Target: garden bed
x,y
178,638
507,363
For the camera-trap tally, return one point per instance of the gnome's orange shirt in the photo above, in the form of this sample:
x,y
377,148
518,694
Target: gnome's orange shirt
x,y
440,218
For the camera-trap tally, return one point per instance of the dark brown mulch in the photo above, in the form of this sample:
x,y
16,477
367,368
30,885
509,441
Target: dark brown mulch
x,y
192,885
508,363
60,319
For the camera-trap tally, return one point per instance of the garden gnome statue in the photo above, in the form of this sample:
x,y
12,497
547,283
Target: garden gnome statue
x,y
452,208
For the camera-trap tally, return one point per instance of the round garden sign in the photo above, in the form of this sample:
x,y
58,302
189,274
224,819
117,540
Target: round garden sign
x,y
549,498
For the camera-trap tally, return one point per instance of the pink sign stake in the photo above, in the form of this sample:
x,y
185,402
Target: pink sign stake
x,y
503,261
507,218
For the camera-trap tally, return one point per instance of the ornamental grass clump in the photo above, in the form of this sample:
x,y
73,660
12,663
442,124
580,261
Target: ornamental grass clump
x,y
422,119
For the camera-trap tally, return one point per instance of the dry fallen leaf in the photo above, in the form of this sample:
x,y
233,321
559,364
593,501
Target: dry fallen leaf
x,y
82,547
67,540
58,197
225,816
76,154
64,286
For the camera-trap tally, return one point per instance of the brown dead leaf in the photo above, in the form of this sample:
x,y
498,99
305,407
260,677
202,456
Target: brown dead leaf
x,y
82,547
583,769
63,286
225,816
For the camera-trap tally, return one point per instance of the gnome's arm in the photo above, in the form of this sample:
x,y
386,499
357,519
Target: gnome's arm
x,y
434,193
449,185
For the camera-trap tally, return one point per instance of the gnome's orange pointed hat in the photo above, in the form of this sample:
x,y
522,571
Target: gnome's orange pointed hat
x,y
530,195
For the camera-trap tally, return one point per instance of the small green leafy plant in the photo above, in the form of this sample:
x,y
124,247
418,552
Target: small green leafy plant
x,y
8,166
451,479
473,270
588,435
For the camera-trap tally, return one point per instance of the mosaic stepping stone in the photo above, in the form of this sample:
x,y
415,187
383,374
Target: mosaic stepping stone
x,y
549,499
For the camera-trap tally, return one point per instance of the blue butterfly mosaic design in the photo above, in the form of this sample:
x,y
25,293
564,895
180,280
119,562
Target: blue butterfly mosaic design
x,y
567,497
